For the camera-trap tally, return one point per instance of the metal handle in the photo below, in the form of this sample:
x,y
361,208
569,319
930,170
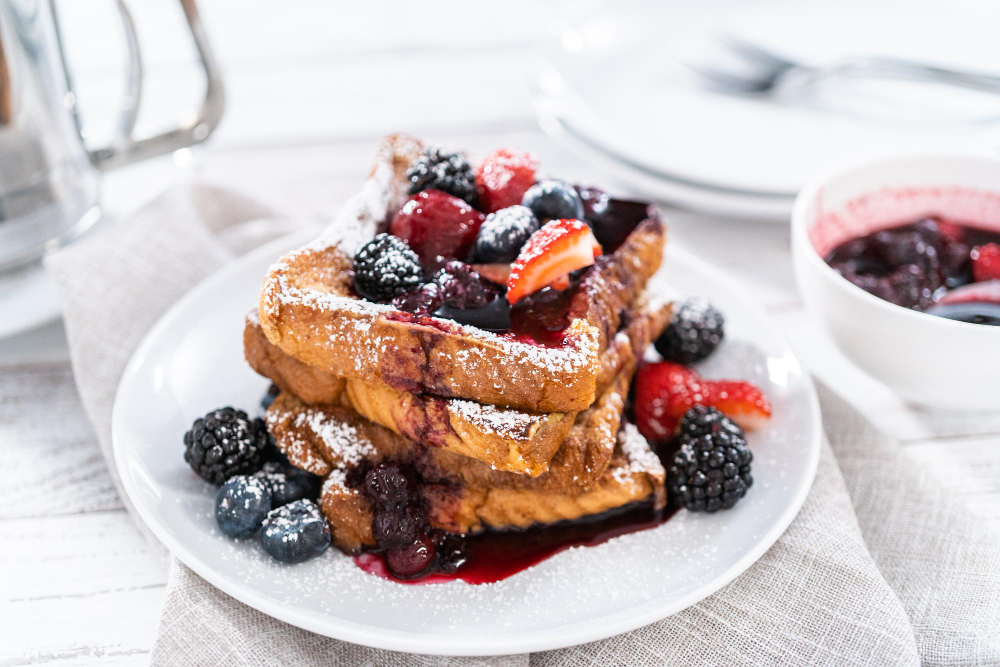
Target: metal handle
x,y
906,69
126,150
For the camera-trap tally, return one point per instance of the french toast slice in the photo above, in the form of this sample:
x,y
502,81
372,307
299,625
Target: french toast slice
x,y
505,439
309,310
337,443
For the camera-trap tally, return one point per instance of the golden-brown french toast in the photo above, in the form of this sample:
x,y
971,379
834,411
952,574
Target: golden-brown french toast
x,y
337,443
309,310
504,438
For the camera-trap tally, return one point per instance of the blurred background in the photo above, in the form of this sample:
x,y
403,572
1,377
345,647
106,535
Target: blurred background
x,y
624,95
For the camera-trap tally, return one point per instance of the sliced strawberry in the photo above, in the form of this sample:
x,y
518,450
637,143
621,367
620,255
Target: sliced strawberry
x,y
503,178
986,262
496,273
665,391
550,255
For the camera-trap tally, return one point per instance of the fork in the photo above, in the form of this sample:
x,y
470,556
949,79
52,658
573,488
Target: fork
x,y
766,73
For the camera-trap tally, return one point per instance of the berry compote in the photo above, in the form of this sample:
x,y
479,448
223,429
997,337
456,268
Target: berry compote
x,y
932,265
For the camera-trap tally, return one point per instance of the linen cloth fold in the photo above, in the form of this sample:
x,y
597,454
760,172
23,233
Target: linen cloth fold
x,y
879,567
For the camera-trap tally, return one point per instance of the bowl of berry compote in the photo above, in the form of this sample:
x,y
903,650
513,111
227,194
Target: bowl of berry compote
x,y
899,258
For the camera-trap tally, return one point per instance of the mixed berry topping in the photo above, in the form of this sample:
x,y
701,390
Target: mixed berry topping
x,y
389,485
242,505
295,532
443,170
386,267
503,178
400,525
503,233
437,226
550,255
924,266
695,330
552,200
710,469
665,391
463,288
422,301
225,442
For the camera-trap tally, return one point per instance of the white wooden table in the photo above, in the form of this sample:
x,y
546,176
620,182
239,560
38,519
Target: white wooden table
x,y
310,92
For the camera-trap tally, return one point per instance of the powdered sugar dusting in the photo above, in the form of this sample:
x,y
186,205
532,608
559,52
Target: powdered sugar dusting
x,y
640,457
507,423
344,446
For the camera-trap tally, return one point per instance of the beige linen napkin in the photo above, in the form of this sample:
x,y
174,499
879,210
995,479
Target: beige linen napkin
x,y
880,566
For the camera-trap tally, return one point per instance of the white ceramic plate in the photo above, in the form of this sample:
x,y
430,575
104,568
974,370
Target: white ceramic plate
x,y
192,362
615,78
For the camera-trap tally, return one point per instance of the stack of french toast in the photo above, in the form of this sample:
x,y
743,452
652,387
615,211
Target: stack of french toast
x,y
498,429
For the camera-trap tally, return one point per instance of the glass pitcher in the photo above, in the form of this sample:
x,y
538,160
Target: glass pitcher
x,y
49,178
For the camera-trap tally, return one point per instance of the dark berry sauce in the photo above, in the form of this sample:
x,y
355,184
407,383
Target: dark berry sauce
x,y
922,266
493,556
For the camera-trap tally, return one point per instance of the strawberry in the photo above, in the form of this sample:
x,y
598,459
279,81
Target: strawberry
x,y
495,273
986,262
550,255
503,178
665,391
438,227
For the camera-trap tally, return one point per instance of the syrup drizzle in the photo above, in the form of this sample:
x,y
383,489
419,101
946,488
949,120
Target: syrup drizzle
x,y
494,556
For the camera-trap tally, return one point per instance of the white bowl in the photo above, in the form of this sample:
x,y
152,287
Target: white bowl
x,y
926,359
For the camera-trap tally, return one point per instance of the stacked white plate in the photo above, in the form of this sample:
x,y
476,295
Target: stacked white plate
x,y
615,86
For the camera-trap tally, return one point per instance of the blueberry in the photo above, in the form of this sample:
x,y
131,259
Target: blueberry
x,y
396,527
288,483
503,233
242,505
494,316
422,301
553,200
295,532
389,485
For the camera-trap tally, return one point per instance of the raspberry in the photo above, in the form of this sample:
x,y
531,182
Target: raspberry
x,y
443,170
986,262
438,227
503,178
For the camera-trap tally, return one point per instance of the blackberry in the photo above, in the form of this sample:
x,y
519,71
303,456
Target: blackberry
x,y
295,532
385,267
554,200
695,330
242,505
443,170
225,442
503,233
462,287
422,301
711,470
701,420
